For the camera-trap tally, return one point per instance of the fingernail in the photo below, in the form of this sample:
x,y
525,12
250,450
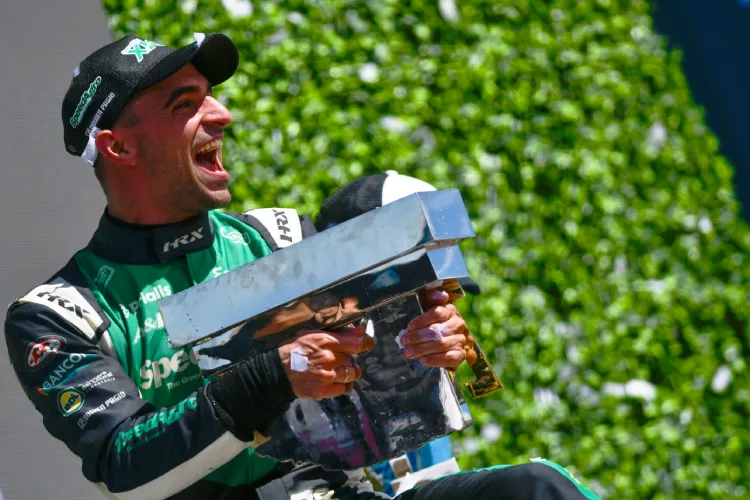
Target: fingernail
x,y
437,295
408,352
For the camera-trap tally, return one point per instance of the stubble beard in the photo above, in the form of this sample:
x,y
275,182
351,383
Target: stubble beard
x,y
186,193
195,196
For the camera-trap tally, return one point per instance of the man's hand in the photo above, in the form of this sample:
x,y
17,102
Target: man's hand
x,y
329,371
439,337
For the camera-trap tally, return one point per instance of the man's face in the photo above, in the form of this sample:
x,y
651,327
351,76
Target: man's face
x,y
178,132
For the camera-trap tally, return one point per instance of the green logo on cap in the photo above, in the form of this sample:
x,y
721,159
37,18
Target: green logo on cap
x,y
86,98
140,48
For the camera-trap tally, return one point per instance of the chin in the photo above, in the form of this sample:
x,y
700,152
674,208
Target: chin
x,y
211,188
218,199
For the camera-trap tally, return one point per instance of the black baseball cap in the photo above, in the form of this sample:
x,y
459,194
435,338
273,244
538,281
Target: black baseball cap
x,y
105,81
370,192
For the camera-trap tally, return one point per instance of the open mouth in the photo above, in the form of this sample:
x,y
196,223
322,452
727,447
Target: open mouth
x,y
208,157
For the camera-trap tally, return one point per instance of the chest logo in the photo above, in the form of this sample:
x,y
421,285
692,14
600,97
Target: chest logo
x,y
185,239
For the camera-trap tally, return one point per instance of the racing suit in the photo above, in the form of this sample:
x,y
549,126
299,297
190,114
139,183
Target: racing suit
x,y
90,351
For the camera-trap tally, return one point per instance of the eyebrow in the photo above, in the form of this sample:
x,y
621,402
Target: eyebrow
x,y
186,89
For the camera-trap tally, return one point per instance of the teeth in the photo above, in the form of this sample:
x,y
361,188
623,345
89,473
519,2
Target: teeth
x,y
211,146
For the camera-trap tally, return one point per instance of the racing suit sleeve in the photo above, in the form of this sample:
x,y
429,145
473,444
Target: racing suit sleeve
x,y
127,447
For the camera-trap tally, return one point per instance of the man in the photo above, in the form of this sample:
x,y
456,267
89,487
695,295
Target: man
x,y
89,346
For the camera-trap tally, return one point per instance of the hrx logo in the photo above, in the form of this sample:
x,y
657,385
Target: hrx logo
x,y
64,303
184,240
283,224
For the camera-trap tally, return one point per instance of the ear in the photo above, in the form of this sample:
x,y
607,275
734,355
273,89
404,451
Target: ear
x,y
116,147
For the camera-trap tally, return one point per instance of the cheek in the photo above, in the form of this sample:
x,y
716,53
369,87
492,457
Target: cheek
x,y
174,154
187,140
168,148
186,157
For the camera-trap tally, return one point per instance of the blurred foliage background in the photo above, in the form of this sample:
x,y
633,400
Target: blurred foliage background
x,y
614,266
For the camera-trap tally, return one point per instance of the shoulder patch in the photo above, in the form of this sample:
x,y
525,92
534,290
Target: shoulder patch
x,y
282,223
69,304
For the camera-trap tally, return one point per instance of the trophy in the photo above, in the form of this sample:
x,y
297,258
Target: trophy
x,y
369,269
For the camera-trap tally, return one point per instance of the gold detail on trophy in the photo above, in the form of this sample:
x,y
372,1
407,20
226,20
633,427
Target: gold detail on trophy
x,y
486,380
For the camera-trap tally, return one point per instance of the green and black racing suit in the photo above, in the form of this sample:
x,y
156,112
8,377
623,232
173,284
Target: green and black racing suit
x,y
90,351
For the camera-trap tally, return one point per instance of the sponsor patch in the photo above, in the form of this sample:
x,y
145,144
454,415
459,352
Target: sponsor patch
x,y
154,373
153,427
147,296
42,350
84,102
183,240
68,302
64,371
70,401
84,420
150,324
234,236
101,379
99,113
103,276
282,223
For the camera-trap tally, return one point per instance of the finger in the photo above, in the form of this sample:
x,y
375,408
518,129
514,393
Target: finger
x,y
471,354
437,297
437,331
333,390
366,343
437,314
328,376
442,345
450,359
329,360
351,343
347,374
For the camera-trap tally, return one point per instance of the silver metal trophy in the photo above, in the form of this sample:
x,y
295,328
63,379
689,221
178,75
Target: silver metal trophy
x,y
370,268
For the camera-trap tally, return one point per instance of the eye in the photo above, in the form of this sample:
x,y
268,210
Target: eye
x,y
184,105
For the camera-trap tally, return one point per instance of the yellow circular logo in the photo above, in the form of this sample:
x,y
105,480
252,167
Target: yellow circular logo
x,y
70,400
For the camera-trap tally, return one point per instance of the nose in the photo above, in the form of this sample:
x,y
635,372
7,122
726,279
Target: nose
x,y
216,113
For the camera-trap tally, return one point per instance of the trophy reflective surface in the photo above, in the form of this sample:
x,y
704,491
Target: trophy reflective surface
x,y
370,269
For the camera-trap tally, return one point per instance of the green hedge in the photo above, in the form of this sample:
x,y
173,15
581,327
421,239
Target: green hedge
x,y
609,247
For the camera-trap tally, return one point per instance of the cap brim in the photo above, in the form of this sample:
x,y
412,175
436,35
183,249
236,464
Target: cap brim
x,y
470,286
216,58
